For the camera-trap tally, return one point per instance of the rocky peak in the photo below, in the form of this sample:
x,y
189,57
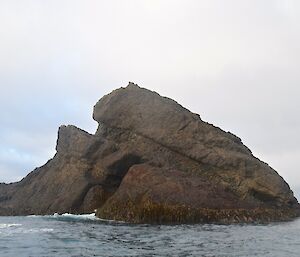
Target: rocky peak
x,y
165,121
74,141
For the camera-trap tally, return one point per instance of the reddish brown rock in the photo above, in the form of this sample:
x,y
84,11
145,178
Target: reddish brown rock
x,y
151,160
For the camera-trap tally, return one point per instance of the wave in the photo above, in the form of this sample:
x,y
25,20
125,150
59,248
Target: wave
x,y
91,216
4,225
76,217
67,216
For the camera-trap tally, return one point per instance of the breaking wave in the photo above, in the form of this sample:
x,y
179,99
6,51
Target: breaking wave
x,y
77,217
69,216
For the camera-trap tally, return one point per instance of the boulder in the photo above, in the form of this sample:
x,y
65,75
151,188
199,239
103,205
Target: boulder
x,y
152,160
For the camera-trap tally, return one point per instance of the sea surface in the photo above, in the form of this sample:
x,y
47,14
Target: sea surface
x,y
85,235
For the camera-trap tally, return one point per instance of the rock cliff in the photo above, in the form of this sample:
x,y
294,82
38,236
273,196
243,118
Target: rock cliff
x,y
152,160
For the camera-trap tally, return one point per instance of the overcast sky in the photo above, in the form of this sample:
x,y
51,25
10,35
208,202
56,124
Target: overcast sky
x,y
236,63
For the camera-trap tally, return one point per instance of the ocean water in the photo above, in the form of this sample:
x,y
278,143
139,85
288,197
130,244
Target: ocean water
x,y
85,235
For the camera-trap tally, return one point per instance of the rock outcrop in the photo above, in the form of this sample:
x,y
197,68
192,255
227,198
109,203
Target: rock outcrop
x,y
151,160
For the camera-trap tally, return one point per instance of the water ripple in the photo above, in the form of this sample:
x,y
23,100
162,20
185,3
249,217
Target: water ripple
x,y
71,235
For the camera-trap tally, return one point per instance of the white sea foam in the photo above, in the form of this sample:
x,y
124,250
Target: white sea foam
x,y
76,217
46,229
82,217
4,225
38,230
91,216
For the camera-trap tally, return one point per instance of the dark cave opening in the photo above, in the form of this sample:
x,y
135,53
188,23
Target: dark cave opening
x,y
118,170
114,176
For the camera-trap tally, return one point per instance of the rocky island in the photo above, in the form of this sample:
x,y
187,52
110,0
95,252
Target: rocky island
x,y
152,161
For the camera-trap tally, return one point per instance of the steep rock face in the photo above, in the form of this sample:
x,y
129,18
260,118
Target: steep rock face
x,y
151,160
